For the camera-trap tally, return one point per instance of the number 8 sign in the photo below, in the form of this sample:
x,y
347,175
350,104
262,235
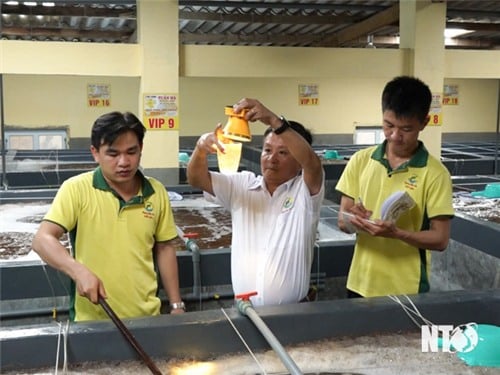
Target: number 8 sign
x,y
435,112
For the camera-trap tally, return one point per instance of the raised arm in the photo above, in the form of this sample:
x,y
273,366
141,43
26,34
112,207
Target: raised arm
x,y
299,148
197,169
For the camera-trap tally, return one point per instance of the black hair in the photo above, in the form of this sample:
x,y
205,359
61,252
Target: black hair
x,y
299,128
110,125
407,97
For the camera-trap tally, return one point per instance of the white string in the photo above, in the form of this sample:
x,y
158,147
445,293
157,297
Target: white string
x,y
65,333
426,321
316,246
244,342
50,285
409,311
65,346
58,347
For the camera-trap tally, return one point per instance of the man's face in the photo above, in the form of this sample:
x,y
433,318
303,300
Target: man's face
x,y
276,162
402,133
119,161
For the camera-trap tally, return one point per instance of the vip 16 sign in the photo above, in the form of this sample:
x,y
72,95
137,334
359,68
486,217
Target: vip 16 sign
x,y
98,95
161,112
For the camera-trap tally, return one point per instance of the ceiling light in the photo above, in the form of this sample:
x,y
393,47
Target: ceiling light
x,y
30,3
369,42
453,33
48,4
12,3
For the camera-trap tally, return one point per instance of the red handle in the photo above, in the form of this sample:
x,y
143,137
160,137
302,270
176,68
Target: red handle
x,y
245,296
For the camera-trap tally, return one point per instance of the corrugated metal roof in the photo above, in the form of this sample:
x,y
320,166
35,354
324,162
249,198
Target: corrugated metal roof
x,y
320,23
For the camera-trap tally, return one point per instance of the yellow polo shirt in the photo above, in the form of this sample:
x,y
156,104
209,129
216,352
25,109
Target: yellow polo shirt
x,y
382,266
115,240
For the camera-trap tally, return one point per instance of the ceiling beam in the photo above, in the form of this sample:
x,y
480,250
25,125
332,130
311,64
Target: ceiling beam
x,y
233,39
351,29
474,26
257,18
281,5
380,41
462,13
69,11
65,33
387,17
91,2
468,43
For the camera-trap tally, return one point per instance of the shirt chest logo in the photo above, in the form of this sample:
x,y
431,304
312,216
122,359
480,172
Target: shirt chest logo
x,y
287,204
148,211
411,183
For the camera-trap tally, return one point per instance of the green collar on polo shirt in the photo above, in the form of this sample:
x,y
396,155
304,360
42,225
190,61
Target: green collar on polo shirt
x,y
418,160
99,182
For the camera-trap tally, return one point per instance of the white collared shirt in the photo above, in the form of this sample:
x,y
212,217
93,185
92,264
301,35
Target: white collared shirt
x,y
273,236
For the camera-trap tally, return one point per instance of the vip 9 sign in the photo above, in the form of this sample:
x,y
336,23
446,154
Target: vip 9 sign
x,y
161,123
161,111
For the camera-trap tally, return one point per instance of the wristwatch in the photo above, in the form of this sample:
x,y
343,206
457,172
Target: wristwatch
x,y
178,305
284,125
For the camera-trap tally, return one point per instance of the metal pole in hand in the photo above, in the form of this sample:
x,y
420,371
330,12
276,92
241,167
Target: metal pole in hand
x,y
130,338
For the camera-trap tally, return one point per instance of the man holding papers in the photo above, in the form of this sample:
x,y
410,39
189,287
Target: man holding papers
x,y
400,198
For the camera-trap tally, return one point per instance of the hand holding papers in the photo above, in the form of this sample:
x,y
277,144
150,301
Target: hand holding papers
x,y
395,205
392,208
347,216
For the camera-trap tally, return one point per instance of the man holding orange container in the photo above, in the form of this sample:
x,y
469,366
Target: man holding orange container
x,y
274,215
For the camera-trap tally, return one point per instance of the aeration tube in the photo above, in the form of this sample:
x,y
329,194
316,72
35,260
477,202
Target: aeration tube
x,y
192,246
246,308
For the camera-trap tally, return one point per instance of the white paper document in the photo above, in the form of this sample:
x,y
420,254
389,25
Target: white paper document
x,y
395,205
392,208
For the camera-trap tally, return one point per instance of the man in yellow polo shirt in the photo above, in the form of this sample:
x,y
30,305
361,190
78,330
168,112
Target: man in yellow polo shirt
x,y
392,257
120,225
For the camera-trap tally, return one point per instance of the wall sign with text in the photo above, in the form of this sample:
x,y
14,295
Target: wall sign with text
x,y
450,95
436,110
98,95
308,95
161,111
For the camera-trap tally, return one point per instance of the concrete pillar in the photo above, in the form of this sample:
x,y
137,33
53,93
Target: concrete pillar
x,y
422,24
157,27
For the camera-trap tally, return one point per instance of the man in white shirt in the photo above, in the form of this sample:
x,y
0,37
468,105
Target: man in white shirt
x,y
274,215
